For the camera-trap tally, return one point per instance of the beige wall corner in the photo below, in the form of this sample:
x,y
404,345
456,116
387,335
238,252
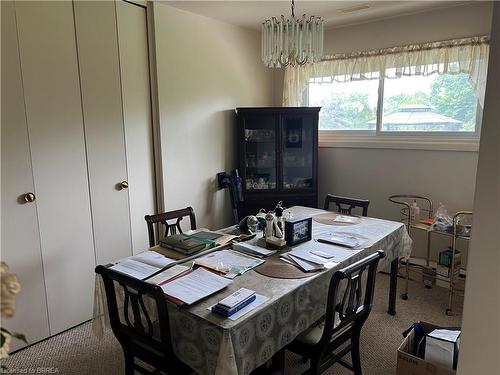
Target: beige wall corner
x,y
480,348
206,68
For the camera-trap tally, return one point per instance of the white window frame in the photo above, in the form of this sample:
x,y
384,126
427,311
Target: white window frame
x,y
442,141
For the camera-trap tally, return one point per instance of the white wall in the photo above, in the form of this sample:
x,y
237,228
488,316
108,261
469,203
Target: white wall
x,y
480,347
445,176
439,24
206,69
374,174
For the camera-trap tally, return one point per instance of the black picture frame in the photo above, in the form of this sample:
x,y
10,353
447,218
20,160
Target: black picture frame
x,y
298,230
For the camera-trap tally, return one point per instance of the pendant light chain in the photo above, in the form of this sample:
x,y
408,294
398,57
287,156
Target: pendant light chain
x,y
293,8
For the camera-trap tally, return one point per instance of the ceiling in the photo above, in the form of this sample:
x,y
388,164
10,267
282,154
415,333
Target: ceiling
x,y
250,14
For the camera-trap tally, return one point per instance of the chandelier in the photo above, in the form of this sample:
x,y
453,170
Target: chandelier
x,y
293,41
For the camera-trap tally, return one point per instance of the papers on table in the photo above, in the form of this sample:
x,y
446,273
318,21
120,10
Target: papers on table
x,y
350,240
153,259
259,300
229,261
142,265
346,219
134,268
168,274
220,238
254,250
314,256
194,286
303,264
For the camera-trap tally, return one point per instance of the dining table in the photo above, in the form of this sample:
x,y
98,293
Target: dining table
x,y
214,345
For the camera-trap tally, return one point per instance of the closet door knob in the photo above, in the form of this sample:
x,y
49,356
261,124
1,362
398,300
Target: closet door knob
x,y
124,184
29,197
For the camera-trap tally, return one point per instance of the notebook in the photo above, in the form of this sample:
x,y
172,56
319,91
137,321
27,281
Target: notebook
x,y
142,265
194,286
186,244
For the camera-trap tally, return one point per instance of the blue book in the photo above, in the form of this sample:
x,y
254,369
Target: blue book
x,y
226,313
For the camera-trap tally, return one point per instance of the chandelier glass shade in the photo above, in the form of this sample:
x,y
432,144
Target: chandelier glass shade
x,y
292,41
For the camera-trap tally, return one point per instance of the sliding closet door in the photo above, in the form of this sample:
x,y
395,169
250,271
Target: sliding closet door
x,y
134,63
54,114
97,41
20,237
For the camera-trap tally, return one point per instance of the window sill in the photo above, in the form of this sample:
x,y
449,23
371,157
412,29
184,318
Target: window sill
x,y
399,142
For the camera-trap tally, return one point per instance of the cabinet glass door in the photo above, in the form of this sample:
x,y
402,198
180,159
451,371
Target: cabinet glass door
x,y
260,152
298,141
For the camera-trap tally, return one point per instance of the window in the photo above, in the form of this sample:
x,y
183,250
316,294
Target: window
x,y
436,104
347,105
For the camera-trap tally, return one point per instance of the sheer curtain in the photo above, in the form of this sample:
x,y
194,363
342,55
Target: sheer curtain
x,y
468,55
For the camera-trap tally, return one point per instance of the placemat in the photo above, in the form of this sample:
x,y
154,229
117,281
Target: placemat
x,y
330,218
277,268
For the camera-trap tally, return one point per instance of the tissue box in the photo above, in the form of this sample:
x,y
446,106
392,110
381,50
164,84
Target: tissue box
x,y
441,347
409,363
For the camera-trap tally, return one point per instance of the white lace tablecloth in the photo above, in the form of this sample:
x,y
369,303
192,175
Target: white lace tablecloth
x,y
210,344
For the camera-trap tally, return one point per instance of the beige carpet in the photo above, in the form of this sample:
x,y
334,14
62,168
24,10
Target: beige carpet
x,y
78,351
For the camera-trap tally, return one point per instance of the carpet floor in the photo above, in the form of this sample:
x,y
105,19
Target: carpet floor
x,y
78,351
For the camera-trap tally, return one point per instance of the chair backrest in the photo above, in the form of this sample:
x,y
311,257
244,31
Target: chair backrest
x,y
349,308
134,325
170,229
345,204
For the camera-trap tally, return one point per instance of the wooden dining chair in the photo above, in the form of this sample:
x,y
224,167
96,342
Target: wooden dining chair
x,y
140,336
170,228
345,205
346,312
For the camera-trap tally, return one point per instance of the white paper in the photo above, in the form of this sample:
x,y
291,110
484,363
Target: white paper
x,y
134,268
253,249
326,251
351,240
227,260
168,274
445,334
259,300
308,256
195,286
304,264
346,219
152,258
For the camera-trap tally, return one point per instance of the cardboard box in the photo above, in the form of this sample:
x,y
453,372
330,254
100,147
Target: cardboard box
x,y
409,364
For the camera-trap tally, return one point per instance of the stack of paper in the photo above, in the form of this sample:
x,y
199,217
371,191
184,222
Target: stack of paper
x,y
142,265
228,261
305,260
350,240
253,249
194,286
168,274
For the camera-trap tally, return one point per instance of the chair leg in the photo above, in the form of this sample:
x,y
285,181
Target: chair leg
x,y
314,366
129,364
356,358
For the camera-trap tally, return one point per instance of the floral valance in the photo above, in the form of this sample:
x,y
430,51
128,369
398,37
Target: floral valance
x,y
468,55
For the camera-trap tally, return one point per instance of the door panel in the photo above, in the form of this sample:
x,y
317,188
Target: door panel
x,y
134,64
97,39
20,237
54,115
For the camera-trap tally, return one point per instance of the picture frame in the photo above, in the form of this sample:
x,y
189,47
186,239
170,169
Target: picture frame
x,y
298,230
